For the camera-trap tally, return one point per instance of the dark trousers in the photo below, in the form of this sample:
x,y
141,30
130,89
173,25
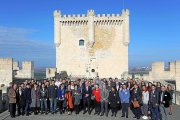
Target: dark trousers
x,y
93,104
12,109
76,108
137,112
27,108
104,107
87,104
8,107
155,114
44,105
20,109
35,110
81,105
97,107
125,109
114,110
60,105
48,104
53,104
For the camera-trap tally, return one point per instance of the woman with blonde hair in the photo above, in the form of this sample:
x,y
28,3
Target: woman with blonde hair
x,y
171,91
145,101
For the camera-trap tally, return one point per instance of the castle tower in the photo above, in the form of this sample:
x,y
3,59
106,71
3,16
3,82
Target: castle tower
x,y
88,45
91,27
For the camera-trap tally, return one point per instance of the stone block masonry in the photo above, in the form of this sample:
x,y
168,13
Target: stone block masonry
x,y
6,70
9,70
27,71
50,72
90,45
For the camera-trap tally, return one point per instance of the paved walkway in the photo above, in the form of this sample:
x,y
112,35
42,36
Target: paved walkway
x,y
5,116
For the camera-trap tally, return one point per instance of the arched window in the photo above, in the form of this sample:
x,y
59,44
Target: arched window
x,y
81,42
93,70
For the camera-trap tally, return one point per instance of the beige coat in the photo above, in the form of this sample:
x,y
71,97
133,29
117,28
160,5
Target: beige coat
x,y
12,96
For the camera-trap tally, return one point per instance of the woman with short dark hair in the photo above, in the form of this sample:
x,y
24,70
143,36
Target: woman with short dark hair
x,y
61,99
113,101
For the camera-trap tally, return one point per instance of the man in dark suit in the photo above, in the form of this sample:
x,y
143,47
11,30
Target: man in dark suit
x,y
52,94
164,100
87,97
43,98
154,103
20,100
27,97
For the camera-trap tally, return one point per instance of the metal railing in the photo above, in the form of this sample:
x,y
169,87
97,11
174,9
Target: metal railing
x,y
3,102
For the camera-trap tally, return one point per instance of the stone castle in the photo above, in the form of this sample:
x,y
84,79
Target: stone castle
x,y
10,70
90,45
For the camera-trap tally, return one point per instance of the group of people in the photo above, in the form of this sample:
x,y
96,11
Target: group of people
x,y
145,100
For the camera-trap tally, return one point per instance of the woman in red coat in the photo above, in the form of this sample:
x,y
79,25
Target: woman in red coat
x,y
69,100
96,94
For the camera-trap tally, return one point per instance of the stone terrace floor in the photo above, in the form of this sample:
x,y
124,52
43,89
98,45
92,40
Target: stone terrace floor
x,y
5,116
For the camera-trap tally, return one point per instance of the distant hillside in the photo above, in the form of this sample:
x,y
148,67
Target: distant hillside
x,y
40,73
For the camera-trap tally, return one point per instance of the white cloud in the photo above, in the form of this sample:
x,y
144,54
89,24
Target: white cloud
x,y
17,43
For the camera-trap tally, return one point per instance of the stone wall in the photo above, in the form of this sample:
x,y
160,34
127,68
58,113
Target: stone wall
x,y
158,72
178,75
9,70
6,70
105,49
50,72
15,65
1,104
27,70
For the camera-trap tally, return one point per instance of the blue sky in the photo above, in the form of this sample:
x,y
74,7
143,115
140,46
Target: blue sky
x,y
26,28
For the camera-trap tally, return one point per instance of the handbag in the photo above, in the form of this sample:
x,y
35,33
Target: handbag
x,y
136,104
92,97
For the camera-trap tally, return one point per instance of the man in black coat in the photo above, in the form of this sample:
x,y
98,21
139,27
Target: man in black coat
x,y
27,97
114,101
43,98
87,97
52,93
20,100
154,103
164,100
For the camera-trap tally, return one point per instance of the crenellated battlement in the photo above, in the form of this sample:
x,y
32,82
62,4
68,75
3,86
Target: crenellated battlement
x,y
73,15
94,40
57,13
83,18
